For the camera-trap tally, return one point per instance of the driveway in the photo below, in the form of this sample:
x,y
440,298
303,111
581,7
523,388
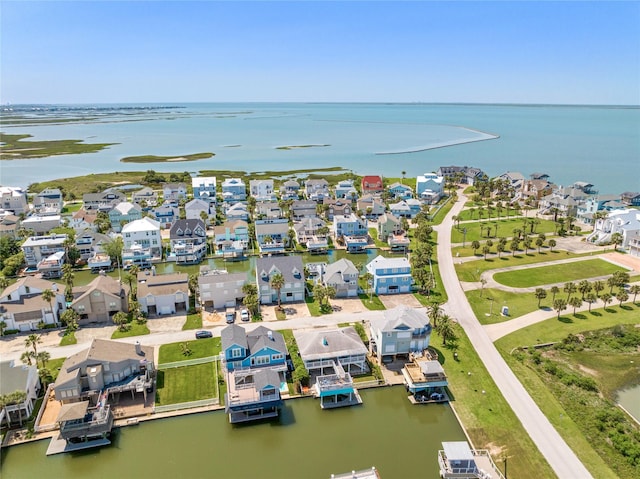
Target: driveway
x,y
390,301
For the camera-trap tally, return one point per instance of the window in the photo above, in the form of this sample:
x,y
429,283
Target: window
x,y
260,360
277,357
236,353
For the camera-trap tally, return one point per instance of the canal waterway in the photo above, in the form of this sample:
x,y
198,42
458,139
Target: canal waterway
x,y
400,439
630,400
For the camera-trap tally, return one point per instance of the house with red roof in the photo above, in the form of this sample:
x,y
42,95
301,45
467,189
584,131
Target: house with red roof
x,y
371,184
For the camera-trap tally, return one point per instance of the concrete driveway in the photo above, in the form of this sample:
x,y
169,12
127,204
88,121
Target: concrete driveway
x,y
391,301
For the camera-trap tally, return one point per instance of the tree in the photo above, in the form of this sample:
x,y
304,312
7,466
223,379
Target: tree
x,y
539,243
319,293
3,326
500,248
121,320
569,288
559,305
4,282
114,249
598,287
446,329
48,295
635,289
611,282
277,282
13,264
368,280
575,302
291,236
70,318
527,244
554,290
45,376
67,277
251,302
552,244
621,278
540,294
249,288
606,299
616,239
584,287
482,284
435,312
486,250
475,244
622,296
32,341
43,357
515,243
591,298
27,358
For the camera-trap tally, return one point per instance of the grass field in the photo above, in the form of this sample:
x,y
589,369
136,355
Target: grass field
x,y
189,383
200,348
68,339
505,229
373,304
194,321
519,304
557,273
14,147
161,159
135,329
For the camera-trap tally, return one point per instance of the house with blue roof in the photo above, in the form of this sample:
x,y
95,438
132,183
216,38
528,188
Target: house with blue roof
x,y
400,191
234,189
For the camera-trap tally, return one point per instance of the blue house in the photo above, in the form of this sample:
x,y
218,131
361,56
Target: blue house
x,y
234,189
400,191
406,208
390,275
165,215
252,395
204,188
350,225
346,189
260,348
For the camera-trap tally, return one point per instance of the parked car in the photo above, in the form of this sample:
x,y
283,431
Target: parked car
x,y
244,315
203,334
230,315
436,397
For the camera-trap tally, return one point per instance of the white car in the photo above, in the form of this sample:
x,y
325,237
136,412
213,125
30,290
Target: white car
x,y
244,315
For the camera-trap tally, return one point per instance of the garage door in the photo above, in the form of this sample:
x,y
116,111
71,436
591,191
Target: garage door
x,y
25,327
165,310
230,304
298,297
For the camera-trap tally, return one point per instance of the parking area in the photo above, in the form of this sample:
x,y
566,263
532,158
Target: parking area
x,y
390,301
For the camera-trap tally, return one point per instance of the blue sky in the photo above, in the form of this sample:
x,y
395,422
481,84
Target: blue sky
x,y
483,52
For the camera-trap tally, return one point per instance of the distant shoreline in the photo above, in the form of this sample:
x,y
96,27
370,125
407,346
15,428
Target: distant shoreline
x,y
166,159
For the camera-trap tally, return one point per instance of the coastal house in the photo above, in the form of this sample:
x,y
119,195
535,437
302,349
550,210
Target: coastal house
x,y
390,230
165,214
338,207
539,176
188,239
423,377
303,209
457,460
220,289
514,180
290,190
390,275
146,198
9,225
22,307
624,222
41,225
234,189
252,394
194,209
317,190
587,208
406,208
371,206
204,188
104,201
236,211
468,175
174,192
48,202
630,198
536,189
262,190
342,275
586,187
350,225
37,248
400,330
400,191
237,230
13,199
371,184
267,210
99,300
84,220
307,228
51,266
345,189
562,204
18,378
259,348
292,270
271,235
163,294
429,187
89,243
123,213
142,242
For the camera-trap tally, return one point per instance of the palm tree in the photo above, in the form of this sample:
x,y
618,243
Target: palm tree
x,y
404,173
48,295
3,326
616,239
560,305
552,244
515,243
611,282
598,286
575,302
121,320
446,329
500,248
435,312
4,282
584,287
32,341
622,296
635,289
26,358
554,290
277,282
43,357
569,288
539,243
70,319
486,250
606,299
475,244
368,280
540,294
591,298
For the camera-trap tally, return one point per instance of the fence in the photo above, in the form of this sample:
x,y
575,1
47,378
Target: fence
x,y
214,401
188,362
186,405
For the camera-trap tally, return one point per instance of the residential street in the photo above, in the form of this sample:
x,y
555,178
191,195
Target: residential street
x,y
555,450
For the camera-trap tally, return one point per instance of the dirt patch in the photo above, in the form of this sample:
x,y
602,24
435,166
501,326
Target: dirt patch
x,y
589,371
348,305
631,262
408,299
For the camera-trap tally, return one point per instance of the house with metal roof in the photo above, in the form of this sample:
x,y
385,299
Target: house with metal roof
x,y
22,378
400,330
291,269
259,348
390,275
342,275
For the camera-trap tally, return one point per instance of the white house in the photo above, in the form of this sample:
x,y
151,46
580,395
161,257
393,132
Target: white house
x,y
204,188
163,294
220,289
23,378
262,190
390,275
625,222
429,187
343,276
23,308
37,248
144,232
13,199
400,330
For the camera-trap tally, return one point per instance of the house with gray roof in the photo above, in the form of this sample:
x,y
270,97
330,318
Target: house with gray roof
x,y
22,307
37,248
99,300
291,268
234,189
220,289
323,348
174,192
342,275
188,240
336,207
262,190
272,235
236,211
289,190
146,197
18,377
48,202
104,201
303,209
123,213
400,330
317,190
163,294
252,394
259,348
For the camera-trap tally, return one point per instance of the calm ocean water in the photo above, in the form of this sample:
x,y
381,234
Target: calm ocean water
x,y
600,145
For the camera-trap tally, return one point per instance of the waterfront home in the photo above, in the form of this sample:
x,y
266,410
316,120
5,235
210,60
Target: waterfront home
x,y
174,192
9,225
303,209
236,211
262,190
110,367
585,187
289,190
624,222
400,330
13,199
390,275
48,202
390,230
99,300
237,230
292,270
342,275
252,394
146,198
271,235
307,228
334,208
18,378
346,189
587,208
462,174
234,189
371,206
51,266
267,210
41,224
83,425
23,308
400,191
514,180
561,204
84,220
104,201
163,294
425,379
326,355
145,233
536,189
193,209
123,213
429,187
204,188
371,184
220,289
349,225
188,239
89,243
165,214
406,208
630,198
457,460
259,348
317,190
37,248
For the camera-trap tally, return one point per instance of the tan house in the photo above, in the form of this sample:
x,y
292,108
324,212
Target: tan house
x,y
100,300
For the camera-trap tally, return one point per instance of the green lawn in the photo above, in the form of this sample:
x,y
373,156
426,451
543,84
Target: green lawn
x,y
194,321
68,339
373,232
312,306
442,212
519,304
135,329
373,304
505,229
470,270
557,273
466,215
189,383
54,365
200,348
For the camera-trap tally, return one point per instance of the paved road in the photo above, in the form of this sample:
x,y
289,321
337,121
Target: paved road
x,y
555,450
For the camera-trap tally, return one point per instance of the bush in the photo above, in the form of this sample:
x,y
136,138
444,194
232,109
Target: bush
x,y
7,332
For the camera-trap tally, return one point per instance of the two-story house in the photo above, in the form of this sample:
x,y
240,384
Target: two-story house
x,y
233,189
23,378
406,208
145,197
23,308
231,232
9,225
252,395
371,206
400,191
462,174
267,210
104,201
334,208
188,240
429,187
303,209
174,192
204,188
48,202
41,225
194,209
289,190
220,289
317,190
123,213
262,190
342,275
236,211
142,243
163,294
345,189
259,348
13,199
630,198
371,185
390,230
400,330
291,269
390,275
350,225
271,235
165,214
99,300
37,248
84,220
